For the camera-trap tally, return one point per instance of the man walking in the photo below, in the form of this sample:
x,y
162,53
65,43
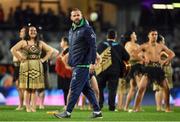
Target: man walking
x,y
82,56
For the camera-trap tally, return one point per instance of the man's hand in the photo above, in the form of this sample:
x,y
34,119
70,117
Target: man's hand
x,y
164,62
146,60
92,68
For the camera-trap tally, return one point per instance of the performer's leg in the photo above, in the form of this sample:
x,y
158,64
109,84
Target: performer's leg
x,y
166,96
130,94
159,98
27,100
33,100
89,93
140,92
41,93
94,86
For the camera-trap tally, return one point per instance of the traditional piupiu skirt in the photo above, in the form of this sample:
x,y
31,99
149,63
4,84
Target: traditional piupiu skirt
x,y
154,72
168,74
136,69
31,75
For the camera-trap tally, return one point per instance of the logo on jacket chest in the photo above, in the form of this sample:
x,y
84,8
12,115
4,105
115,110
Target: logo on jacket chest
x,y
93,35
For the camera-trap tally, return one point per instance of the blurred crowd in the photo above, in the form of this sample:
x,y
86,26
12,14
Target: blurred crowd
x,y
45,18
19,17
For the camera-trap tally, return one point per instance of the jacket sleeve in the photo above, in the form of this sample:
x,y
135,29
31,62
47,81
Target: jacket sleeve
x,y
90,36
101,47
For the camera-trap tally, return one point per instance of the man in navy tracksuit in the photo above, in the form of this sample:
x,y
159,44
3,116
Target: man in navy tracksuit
x,y
82,56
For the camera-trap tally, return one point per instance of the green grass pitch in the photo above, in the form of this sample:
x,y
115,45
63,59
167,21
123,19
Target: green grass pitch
x,y
8,113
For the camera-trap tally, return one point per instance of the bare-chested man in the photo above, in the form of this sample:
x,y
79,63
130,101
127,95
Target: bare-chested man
x,y
153,68
159,95
134,75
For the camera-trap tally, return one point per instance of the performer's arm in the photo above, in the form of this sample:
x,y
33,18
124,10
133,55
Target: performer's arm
x,y
48,50
170,54
15,50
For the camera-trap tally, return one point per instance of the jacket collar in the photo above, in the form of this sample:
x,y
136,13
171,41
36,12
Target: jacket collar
x,y
75,26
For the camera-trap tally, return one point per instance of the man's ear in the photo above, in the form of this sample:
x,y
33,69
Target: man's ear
x,y
71,18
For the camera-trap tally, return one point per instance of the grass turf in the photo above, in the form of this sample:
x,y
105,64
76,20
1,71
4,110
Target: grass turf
x,y
8,113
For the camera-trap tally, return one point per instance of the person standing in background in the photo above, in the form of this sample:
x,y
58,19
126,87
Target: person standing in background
x,y
111,75
23,36
63,70
41,92
153,64
135,73
159,94
31,75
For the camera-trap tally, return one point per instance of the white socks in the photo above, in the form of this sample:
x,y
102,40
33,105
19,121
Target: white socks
x,y
97,112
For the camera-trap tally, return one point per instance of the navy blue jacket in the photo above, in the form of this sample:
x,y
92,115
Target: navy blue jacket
x,y
82,45
119,54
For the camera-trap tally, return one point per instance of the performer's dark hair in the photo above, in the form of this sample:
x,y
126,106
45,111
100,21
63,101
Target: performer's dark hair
x,y
26,32
152,29
112,34
127,35
65,39
160,38
36,38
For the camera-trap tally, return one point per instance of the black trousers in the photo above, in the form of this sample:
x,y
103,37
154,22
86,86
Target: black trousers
x,y
64,83
65,91
111,80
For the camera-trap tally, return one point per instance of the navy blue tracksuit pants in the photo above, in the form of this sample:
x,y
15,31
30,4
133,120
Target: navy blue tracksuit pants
x,y
80,83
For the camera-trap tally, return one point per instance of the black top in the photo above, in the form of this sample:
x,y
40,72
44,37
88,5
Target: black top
x,y
118,54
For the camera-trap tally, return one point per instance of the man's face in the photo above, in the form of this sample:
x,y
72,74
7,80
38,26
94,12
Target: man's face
x,y
76,16
153,36
62,43
134,36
